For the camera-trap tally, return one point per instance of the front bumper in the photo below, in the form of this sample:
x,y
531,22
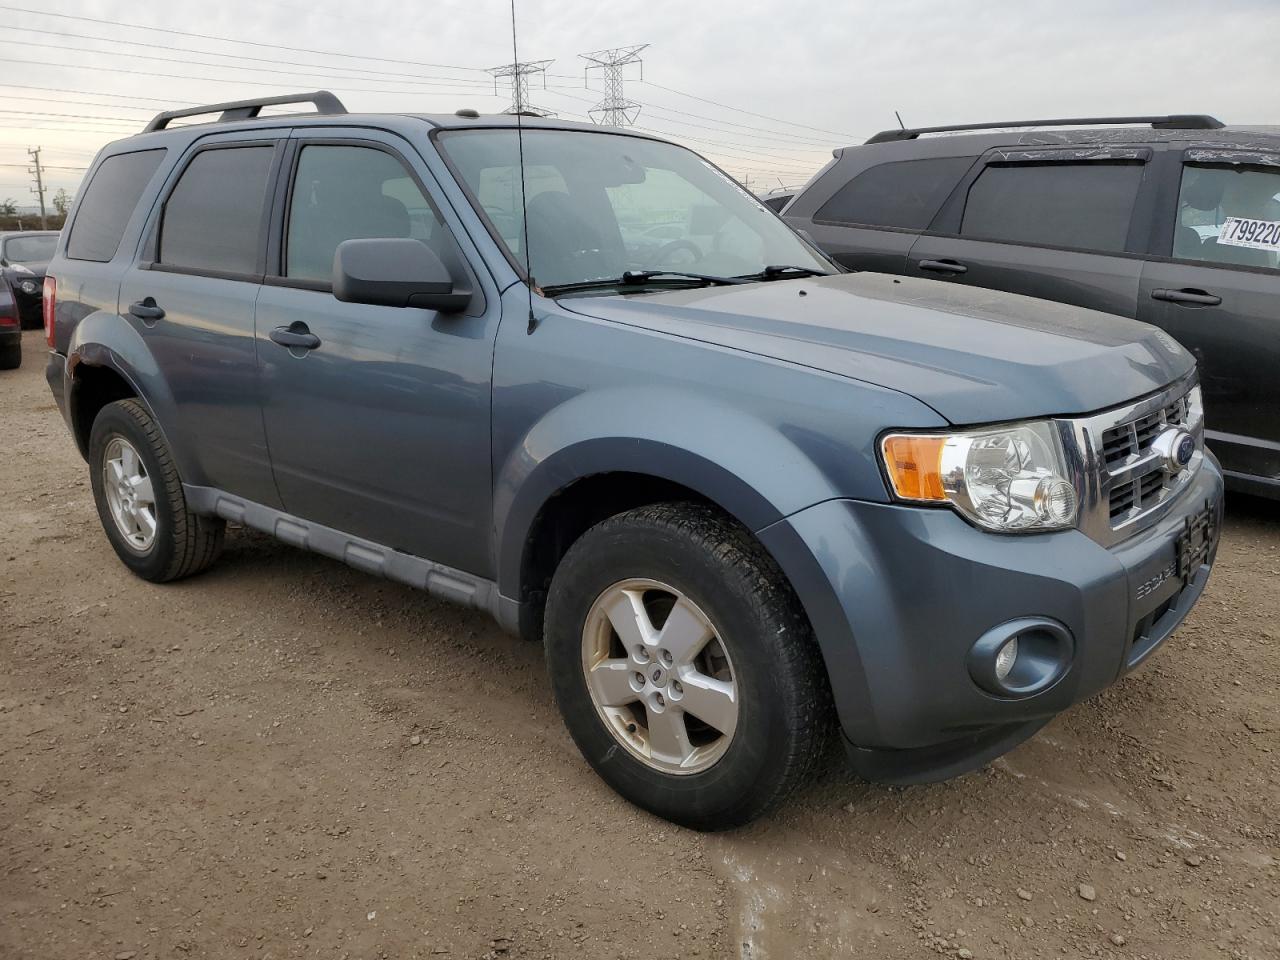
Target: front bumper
x,y
898,596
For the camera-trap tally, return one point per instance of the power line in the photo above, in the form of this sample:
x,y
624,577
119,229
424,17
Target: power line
x,y
251,43
749,113
319,72
238,56
91,93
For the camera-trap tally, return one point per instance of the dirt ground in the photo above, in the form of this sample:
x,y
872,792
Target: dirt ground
x,y
286,758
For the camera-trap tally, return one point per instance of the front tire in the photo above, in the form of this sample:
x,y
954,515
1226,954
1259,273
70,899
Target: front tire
x,y
139,497
684,667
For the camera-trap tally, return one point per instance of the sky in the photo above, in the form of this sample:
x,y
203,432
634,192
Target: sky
x,y
765,88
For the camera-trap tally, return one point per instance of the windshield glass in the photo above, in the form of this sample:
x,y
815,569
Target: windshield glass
x,y
30,249
602,204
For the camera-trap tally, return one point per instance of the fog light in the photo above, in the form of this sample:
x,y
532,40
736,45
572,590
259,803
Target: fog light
x,y
1006,658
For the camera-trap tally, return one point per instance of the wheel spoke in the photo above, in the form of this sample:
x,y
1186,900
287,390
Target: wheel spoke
x,y
142,487
146,523
710,700
129,461
629,619
684,633
117,470
611,683
668,737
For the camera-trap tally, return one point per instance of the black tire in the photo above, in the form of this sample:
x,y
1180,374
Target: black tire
x,y
184,543
11,357
784,700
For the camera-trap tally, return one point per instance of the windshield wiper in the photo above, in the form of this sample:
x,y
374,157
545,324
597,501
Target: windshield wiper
x,y
638,277
777,271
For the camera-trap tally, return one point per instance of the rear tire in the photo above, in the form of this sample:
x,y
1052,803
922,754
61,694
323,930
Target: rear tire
x,y
622,692
140,501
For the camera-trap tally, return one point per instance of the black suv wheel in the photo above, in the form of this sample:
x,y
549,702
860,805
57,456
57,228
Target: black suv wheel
x,y
683,666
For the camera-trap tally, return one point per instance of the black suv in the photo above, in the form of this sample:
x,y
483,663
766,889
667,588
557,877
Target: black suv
x,y
1171,220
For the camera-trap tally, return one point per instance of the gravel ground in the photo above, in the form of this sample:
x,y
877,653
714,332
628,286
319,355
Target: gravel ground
x,y
286,758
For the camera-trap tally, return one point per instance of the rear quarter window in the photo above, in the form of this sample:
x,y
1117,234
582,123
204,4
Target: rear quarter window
x,y
903,194
108,202
1085,206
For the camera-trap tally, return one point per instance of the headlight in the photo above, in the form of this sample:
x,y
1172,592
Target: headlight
x,y
1007,479
29,287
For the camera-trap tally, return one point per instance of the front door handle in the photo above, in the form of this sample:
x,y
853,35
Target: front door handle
x,y
1200,298
943,266
146,309
295,334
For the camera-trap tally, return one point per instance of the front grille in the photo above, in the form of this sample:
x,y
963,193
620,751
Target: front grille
x,y
1140,478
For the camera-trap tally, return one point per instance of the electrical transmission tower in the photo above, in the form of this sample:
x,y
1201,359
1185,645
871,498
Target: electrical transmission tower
x,y
519,74
614,110
38,189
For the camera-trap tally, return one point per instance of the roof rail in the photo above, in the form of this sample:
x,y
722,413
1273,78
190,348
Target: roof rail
x,y
325,103
1180,121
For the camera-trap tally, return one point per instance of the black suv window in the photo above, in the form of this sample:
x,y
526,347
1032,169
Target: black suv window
x,y
213,219
1229,214
1083,205
107,204
905,194
350,193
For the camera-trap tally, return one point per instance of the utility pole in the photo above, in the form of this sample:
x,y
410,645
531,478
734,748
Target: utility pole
x,y
38,190
520,74
614,110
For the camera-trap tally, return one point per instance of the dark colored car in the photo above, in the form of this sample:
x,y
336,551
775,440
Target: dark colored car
x,y
735,502
10,331
1176,222
24,256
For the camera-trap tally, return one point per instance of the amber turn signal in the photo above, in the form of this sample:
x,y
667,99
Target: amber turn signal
x,y
914,464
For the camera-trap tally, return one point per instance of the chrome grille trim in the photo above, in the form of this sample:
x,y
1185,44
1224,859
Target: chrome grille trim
x,y
1124,485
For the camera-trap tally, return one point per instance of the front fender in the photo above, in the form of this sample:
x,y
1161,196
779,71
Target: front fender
x,y
744,465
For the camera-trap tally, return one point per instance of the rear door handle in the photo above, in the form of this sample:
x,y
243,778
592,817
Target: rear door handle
x,y
146,310
943,266
1190,295
295,335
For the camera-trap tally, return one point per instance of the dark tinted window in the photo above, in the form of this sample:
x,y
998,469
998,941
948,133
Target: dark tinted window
x,y
32,249
905,194
777,203
213,218
351,193
1084,205
107,204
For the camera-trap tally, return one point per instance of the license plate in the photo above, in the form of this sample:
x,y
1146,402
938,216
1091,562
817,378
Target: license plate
x,y
1196,542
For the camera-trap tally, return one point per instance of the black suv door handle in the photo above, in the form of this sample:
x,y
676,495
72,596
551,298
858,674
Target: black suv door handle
x,y
1190,295
295,334
943,266
146,310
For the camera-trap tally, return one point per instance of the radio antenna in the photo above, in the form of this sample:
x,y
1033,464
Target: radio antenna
x,y
524,203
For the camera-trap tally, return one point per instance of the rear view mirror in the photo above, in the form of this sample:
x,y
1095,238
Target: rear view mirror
x,y
395,272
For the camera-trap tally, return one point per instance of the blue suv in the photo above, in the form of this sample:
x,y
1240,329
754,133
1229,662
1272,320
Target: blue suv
x,y
744,499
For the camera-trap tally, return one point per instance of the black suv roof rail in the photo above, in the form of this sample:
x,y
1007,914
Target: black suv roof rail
x,y
1177,121
325,103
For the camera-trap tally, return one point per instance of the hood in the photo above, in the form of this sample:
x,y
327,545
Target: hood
x,y
974,355
26,269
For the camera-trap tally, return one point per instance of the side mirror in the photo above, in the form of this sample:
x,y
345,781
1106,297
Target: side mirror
x,y
395,272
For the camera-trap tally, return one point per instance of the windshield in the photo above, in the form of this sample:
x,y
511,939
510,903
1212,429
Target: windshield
x,y
30,249
602,204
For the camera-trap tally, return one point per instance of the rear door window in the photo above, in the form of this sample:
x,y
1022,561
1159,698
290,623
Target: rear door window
x,y
1086,206
108,202
214,220
905,194
1230,215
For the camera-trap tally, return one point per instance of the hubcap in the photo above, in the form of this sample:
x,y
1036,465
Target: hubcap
x,y
660,676
130,498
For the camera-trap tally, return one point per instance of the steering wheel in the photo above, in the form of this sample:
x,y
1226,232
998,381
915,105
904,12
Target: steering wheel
x,y
660,258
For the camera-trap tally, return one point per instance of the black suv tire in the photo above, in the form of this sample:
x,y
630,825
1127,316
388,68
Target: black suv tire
x,y
11,358
183,543
782,694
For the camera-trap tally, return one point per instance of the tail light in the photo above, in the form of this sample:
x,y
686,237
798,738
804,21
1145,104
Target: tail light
x,y
48,306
